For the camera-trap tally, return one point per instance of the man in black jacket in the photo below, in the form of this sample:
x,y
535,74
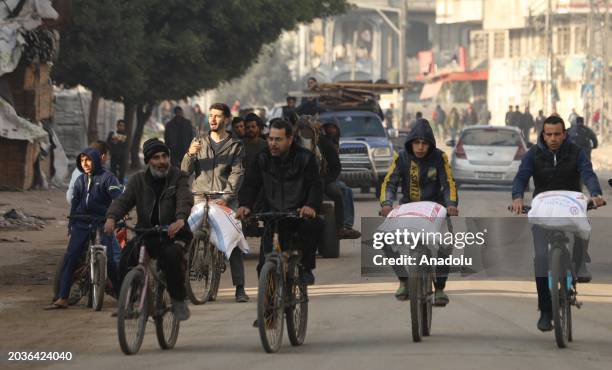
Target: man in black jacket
x,y
117,141
289,178
332,186
178,136
555,163
162,196
583,136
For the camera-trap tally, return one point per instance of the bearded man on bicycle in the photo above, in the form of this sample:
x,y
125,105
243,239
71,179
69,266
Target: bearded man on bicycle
x,y
162,196
555,163
289,179
216,160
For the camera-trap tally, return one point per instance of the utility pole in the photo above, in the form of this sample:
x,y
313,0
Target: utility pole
x,y
588,80
402,60
604,73
548,88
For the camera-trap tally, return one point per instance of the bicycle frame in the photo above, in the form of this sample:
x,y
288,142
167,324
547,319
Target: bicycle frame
x,y
558,239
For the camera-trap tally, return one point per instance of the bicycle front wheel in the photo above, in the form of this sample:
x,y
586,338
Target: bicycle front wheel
x,y
415,292
215,279
560,299
200,266
132,312
428,297
270,307
166,325
99,280
297,310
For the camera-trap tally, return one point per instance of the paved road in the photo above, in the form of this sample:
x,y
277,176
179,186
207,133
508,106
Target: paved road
x,y
354,323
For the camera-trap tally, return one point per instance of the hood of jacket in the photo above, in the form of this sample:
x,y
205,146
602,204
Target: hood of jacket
x,y
542,144
96,158
420,130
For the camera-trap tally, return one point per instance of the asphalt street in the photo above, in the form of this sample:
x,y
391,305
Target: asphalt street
x,y
354,321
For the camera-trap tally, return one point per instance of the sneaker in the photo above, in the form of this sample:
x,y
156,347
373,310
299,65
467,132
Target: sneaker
x,y
241,295
307,277
114,313
545,321
402,292
180,310
255,324
440,298
347,233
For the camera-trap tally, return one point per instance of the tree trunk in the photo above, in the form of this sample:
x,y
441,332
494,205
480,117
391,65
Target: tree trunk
x,y
143,113
128,117
92,124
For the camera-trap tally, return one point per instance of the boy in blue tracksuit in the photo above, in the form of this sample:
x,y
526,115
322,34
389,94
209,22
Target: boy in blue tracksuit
x,y
94,191
423,172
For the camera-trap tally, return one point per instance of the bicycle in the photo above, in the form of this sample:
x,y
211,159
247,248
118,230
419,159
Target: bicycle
x,y
90,277
142,283
281,290
562,281
420,288
205,263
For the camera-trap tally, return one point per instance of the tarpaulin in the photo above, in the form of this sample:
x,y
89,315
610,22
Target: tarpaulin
x,y
16,128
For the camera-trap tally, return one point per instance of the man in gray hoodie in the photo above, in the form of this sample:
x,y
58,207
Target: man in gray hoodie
x,y
216,159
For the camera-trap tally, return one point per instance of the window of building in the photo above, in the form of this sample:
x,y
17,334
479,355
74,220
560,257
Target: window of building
x,y
515,44
480,45
581,39
499,45
563,40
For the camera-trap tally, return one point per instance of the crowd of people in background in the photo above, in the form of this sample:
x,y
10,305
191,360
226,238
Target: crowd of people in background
x,y
446,124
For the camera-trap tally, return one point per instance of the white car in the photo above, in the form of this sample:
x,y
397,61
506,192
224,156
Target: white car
x,y
487,155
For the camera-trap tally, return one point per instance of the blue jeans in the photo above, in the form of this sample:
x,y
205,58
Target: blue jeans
x,y
77,245
349,205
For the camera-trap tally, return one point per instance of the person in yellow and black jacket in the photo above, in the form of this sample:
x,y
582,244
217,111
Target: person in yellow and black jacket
x,y
424,174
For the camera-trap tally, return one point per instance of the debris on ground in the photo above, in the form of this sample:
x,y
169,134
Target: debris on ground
x,y
16,219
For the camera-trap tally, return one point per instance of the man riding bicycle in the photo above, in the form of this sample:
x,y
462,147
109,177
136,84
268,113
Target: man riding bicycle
x,y
289,179
93,192
555,163
423,172
162,196
216,159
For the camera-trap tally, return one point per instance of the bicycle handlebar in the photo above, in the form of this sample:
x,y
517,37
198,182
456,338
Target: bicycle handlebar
x,y
269,215
212,193
154,229
89,218
590,206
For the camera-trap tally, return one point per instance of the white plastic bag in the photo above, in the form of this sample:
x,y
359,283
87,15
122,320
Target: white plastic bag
x,y
424,216
225,230
561,210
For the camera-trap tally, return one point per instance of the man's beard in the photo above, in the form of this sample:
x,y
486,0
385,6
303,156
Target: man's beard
x,y
159,173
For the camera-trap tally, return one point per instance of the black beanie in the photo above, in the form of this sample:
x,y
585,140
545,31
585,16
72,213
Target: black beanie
x,y
152,147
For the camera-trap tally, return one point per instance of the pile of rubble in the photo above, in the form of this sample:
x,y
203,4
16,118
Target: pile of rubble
x,y
17,219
